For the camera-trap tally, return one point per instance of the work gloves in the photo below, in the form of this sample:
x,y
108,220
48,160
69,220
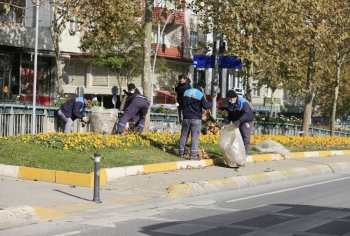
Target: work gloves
x,y
86,119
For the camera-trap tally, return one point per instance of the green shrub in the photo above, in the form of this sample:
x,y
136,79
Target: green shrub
x,y
60,101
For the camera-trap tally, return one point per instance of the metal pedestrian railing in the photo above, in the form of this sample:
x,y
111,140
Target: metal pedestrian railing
x,y
17,119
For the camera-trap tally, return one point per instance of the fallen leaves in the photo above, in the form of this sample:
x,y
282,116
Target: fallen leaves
x,y
211,127
189,167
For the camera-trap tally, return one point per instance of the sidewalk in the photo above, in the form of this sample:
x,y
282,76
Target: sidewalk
x,y
26,201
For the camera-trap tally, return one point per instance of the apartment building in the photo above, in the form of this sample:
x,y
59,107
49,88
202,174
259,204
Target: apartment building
x,y
177,45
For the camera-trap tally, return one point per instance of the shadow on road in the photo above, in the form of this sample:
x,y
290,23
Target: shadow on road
x,y
271,220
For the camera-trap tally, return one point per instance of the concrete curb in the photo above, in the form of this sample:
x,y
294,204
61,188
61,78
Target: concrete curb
x,y
204,187
25,215
110,174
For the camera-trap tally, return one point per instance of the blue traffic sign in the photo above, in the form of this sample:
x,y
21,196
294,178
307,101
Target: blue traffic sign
x,y
203,61
230,62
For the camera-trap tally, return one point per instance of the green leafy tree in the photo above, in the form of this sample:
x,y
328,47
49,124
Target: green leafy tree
x,y
113,36
338,43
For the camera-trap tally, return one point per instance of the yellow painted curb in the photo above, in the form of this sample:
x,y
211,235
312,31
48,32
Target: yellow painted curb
x,y
290,173
87,180
297,155
181,190
260,178
223,183
262,157
37,174
160,167
313,169
71,178
103,177
46,213
339,165
215,161
324,153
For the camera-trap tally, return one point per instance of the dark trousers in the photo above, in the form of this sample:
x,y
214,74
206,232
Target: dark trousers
x,y
193,126
137,111
246,130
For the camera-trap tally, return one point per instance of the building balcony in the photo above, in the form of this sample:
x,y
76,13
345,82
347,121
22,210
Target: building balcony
x,y
170,52
177,18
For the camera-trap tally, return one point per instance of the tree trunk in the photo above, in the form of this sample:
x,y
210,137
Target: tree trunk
x,y
309,91
54,31
336,93
250,73
272,102
147,60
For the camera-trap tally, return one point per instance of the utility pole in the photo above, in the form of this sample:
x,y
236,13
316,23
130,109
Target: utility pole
x,y
35,66
146,85
215,75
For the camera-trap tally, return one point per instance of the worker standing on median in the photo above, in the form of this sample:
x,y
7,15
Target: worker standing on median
x,y
135,108
240,113
182,86
193,103
74,109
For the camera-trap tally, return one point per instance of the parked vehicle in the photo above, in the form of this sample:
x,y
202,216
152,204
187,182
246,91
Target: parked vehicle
x,y
167,99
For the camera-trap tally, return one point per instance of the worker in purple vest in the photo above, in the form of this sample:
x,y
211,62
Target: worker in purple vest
x,y
74,109
240,113
135,108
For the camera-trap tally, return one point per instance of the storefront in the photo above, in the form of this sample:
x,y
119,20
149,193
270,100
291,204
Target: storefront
x,y
5,71
26,83
17,77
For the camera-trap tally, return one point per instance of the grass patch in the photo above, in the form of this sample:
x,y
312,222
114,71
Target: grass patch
x,y
33,155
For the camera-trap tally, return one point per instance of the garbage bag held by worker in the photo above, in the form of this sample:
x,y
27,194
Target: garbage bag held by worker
x,y
103,121
232,146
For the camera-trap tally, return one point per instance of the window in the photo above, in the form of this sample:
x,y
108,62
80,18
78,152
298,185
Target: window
x,y
77,73
160,3
99,76
194,9
80,75
256,90
193,39
74,25
156,38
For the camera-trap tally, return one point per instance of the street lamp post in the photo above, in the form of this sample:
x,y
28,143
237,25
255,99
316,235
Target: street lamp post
x,y
215,76
155,54
35,66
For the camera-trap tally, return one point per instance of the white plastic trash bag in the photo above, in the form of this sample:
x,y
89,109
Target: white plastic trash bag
x,y
232,146
269,145
103,121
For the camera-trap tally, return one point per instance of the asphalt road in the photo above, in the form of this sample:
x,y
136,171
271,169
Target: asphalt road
x,y
317,205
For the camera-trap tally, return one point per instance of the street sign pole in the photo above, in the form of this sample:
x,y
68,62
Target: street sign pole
x,y
35,67
114,92
215,80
